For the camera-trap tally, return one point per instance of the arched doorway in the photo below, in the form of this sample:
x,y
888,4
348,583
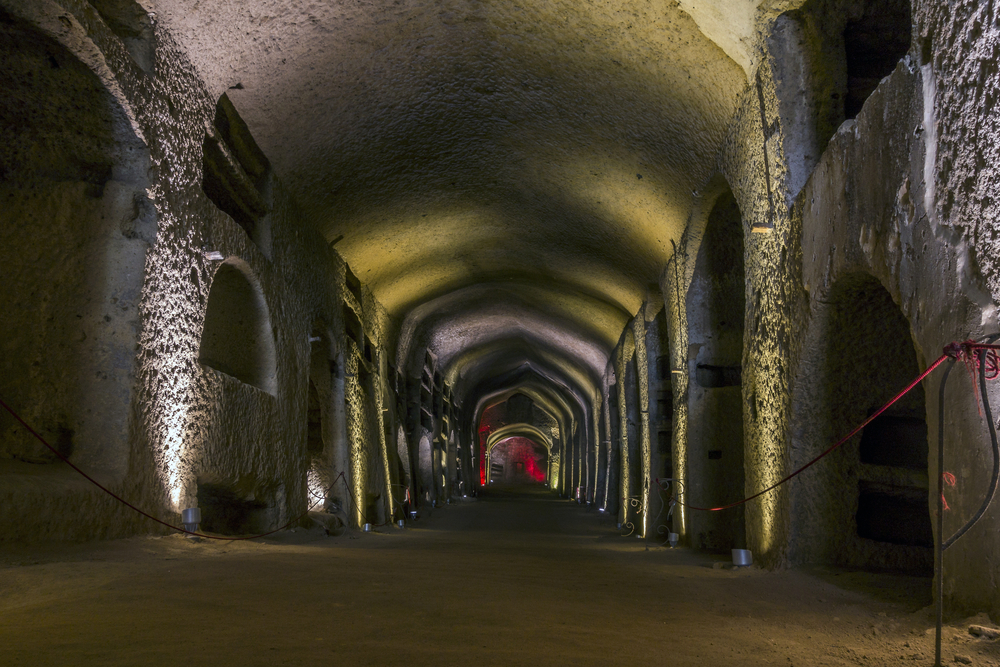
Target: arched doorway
x,y
518,460
75,226
865,505
425,467
237,338
716,307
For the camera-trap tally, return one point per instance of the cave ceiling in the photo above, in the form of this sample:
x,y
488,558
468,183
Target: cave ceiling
x,y
502,175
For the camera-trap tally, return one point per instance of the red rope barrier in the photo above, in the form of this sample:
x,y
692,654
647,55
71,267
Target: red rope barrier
x,y
960,351
130,505
953,351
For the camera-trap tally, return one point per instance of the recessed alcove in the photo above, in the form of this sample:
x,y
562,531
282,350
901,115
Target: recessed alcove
x,y
314,421
893,515
237,338
827,59
75,227
237,174
874,42
353,285
865,505
716,312
896,439
319,400
518,460
353,329
225,511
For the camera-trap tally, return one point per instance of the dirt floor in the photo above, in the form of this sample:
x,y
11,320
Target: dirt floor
x,y
510,579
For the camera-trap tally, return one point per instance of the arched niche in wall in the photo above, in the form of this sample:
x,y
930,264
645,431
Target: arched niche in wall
x,y
425,469
237,175
322,367
715,313
614,473
403,452
604,445
661,413
632,486
865,505
75,226
237,338
828,58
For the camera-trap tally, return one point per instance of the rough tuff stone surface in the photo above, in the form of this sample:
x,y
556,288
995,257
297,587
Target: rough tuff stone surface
x,y
508,184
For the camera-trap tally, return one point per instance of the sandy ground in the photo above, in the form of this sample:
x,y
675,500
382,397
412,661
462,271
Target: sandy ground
x,y
511,579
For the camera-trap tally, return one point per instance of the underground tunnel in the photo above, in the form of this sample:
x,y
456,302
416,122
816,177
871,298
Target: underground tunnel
x,y
521,333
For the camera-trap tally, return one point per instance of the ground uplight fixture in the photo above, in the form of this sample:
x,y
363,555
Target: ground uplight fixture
x,y
401,523
190,518
368,528
672,538
742,557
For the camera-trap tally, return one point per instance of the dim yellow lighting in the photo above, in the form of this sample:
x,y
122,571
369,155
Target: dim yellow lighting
x,y
175,421
380,411
172,459
316,489
642,368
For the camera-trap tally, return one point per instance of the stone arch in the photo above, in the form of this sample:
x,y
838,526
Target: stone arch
x,y
614,475
522,460
716,306
237,338
321,415
75,226
425,468
865,505
523,430
528,432
632,484
661,416
403,451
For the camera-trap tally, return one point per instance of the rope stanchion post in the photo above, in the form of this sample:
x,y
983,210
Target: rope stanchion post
x,y
938,548
983,358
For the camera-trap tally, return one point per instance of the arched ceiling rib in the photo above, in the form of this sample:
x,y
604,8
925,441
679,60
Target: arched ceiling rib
x,y
561,401
519,430
505,358
476,316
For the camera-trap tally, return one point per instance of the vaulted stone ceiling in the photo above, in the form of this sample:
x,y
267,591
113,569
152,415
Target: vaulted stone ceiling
x,y
505,176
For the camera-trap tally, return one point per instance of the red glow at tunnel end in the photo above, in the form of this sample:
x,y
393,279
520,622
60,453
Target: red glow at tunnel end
x,y
521,458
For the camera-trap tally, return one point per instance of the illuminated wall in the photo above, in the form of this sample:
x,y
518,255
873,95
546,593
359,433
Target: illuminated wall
x,y
188,426
519,460
122,187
